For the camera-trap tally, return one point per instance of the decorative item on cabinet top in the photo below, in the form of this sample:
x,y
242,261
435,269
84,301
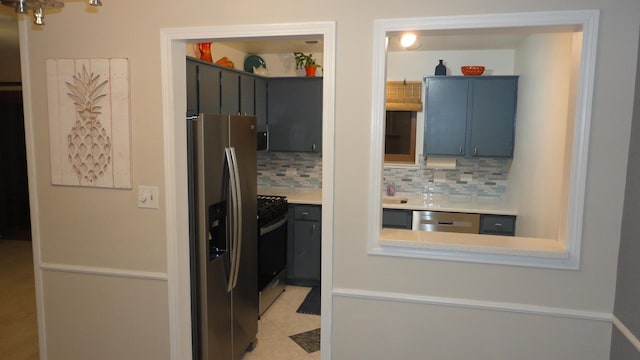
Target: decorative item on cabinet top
x,y
307,62
404,96
441,70
472,70
203,50
254,64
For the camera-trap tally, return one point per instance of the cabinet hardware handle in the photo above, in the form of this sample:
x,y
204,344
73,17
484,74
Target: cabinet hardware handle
x,y
313,227
497,225
313,147
475,151
304,213
460,149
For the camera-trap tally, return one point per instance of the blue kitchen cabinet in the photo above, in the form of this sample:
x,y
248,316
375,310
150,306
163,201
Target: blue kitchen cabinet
x,y
397,218
208,89
192,87
295,114
470,116
247,95
229,92
203,87
261,102
214,89
446,116
304,244
498,224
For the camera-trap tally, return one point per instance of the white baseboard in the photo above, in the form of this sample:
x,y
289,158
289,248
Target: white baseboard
x,y
473,304
91,270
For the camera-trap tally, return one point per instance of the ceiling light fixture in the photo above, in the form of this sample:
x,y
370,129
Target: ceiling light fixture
x,y
407,40
38,7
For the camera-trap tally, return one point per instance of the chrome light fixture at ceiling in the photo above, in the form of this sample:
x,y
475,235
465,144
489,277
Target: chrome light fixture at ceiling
x,y
38,7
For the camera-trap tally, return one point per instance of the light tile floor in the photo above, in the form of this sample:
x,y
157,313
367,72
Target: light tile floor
x,y
279,322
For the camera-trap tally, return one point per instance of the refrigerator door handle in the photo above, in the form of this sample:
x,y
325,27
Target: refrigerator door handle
x,y
238,244
234,215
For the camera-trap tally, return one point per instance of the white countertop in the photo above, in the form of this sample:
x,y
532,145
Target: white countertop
x,y
467,204
295,195
413,202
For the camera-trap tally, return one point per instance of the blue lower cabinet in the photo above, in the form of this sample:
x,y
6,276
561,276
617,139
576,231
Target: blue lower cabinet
x,y
498,225
304,245
397,218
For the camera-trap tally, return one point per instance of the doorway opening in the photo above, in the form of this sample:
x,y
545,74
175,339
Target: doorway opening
x,y
15,221
173,48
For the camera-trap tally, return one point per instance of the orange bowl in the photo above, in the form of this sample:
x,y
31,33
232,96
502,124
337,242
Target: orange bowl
x,y
472,70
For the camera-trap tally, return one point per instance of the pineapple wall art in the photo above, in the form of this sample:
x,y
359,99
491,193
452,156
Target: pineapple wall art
x,y
89,122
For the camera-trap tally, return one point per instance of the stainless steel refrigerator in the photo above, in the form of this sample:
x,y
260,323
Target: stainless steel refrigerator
x,y
223,235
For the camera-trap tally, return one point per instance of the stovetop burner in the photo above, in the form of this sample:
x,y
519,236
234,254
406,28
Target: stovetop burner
x,y
271,209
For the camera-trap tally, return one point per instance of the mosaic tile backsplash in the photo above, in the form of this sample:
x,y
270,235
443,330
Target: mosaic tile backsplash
x,y
290,169
304,170
486,177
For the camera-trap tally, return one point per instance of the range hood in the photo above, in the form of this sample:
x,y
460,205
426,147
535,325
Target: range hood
x,y
404,96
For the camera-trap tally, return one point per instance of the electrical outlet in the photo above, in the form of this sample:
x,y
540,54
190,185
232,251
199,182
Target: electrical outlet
x,y
439,176
291,172
466,177
148,197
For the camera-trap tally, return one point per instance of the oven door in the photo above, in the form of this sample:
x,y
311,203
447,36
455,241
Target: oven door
x,y
272,251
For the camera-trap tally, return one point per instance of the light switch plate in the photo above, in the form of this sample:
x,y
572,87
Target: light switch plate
x,y
148,197
439,176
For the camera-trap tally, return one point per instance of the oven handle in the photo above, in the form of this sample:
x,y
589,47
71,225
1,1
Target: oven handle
x,y
270,228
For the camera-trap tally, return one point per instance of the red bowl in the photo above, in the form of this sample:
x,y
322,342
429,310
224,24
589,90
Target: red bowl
x,y
472,70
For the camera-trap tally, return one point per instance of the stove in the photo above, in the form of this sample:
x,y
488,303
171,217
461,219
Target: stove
x,y
272,248
271,209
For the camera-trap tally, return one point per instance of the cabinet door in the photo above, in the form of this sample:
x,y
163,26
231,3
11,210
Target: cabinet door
x,y
498,224
208,89
493,109
396,218
192,87
229,92
306,251
247,95
261,103
295,114
446,117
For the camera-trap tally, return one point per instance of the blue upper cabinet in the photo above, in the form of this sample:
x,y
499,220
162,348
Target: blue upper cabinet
x,y
493,114
294,106
470,116
192,87
446,116
203,87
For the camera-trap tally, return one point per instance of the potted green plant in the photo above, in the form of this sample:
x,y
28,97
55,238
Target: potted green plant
x,y
307,62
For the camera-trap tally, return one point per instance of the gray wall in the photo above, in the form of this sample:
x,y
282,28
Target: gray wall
x,y
627,308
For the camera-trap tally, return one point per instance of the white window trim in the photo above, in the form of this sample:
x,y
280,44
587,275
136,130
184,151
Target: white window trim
x,y
568,255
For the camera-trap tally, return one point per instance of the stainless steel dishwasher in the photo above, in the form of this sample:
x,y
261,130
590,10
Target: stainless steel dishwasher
x,y
446,221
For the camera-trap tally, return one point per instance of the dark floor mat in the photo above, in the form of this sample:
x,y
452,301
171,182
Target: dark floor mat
x,y
308,340
311,303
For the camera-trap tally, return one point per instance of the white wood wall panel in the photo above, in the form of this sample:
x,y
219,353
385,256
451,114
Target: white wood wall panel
x,y
110,104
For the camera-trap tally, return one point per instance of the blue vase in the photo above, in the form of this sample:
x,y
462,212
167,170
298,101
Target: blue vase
x,y
441,69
